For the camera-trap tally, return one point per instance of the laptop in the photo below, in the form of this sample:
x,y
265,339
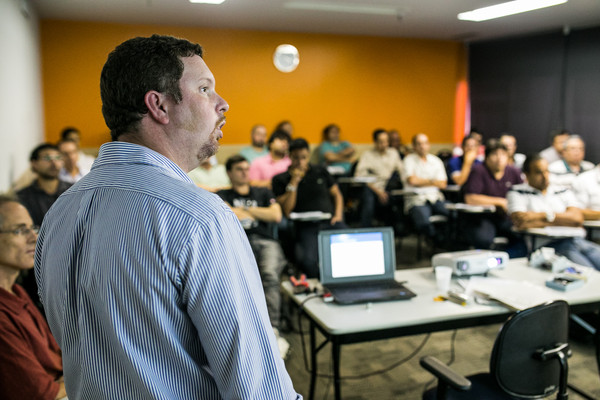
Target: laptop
x,y
357,265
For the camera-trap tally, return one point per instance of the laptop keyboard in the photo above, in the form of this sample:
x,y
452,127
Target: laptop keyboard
x,y
370,292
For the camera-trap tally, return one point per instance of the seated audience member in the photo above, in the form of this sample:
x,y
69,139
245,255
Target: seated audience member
x,y
396,143
553,152
563,172
30,360
46,161
334,152
586,187
538,204
380,162
477,134
210,175
285,126
488,185
84,160
258,135
510,142
459,167
258,212
303,188
263,169
71,171
426,175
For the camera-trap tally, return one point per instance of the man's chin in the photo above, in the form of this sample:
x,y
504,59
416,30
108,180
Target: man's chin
x,y
208,151
48,177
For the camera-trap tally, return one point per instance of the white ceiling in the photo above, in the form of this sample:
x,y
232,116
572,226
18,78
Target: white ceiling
x,y
434,19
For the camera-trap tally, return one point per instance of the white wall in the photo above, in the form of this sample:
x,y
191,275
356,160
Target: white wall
x,y
21,112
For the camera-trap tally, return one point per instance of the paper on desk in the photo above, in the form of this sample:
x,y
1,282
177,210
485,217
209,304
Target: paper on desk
x,y
516,295
310,216
473,208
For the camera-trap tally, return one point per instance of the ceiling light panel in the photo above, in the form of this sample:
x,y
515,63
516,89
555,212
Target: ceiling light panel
x,y
207,1
505,9
339,7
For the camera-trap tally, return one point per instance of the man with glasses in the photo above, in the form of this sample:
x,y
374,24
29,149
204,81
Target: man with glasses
x,y
46,161
564,171
30,360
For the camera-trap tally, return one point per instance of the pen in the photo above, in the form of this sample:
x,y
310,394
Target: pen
x,y
455,300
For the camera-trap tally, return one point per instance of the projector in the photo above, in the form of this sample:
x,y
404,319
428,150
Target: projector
x,y
471,262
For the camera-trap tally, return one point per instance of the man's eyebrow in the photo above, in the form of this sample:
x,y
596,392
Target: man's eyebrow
x,y
21,225
206,80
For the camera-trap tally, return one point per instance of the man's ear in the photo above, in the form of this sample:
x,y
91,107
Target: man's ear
x,y
157,106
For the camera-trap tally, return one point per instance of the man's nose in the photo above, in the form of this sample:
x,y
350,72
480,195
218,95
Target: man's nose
x,y
222,105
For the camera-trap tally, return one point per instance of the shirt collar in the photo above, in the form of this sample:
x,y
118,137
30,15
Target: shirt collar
x,y
130,153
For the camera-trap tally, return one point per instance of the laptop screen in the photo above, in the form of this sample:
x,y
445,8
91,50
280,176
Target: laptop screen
x,y
356,255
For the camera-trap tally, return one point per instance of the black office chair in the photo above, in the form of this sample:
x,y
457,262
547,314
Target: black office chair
x,y
529,360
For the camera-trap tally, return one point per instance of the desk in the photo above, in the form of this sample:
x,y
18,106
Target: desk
x,y
361,323
357,180
469,208
453,193
552,232
310,216
591,226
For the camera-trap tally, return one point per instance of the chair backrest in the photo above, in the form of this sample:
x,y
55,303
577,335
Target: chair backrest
x,y
514,363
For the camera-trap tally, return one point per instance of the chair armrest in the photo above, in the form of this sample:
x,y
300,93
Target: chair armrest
x,y
444,373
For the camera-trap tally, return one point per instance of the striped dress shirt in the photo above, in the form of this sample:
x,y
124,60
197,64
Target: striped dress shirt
x,y
151,289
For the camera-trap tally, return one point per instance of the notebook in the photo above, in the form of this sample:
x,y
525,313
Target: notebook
x,y
357,265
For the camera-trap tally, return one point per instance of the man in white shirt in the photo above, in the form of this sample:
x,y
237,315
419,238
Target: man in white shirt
x,y
424,174
552,153
210,175
587,191
379,162
85,161
72,170
564,171
538,204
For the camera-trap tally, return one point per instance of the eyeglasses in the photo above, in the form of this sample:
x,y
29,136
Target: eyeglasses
x,y
23,230
51,158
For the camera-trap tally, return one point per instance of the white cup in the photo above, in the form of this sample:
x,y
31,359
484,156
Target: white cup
x,y
442,277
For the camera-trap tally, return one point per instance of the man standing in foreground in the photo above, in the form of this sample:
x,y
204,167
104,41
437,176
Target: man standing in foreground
x,y
149,282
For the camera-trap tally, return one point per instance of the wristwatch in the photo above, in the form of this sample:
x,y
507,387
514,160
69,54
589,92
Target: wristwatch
x,y
550,216
290,188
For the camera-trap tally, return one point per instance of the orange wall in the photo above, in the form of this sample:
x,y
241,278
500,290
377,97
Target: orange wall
x,y
360,83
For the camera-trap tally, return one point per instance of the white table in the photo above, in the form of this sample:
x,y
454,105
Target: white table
x,y
357,180
591,226
470,209
359,323
552,232
310,216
